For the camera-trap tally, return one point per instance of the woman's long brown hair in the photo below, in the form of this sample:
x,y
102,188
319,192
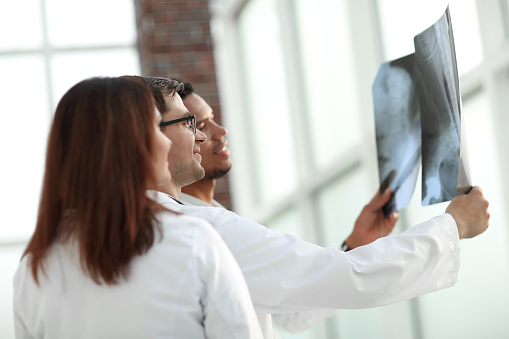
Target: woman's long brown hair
x,y
98,165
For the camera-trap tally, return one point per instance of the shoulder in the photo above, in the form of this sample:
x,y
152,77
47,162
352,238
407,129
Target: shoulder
x,y
178,222
192,240
191,231
21,273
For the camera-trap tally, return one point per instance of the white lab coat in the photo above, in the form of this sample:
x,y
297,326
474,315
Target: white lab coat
x,y
188,199
287,274
292,322
187,285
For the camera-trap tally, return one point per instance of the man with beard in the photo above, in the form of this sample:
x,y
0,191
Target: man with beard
x,y
214,151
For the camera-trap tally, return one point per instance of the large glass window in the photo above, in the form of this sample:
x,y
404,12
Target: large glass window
x,y
481,264
46,47
90,23
23,21
504,4
69,67
23,131
325,39
267,100
339,203
389,322
333,50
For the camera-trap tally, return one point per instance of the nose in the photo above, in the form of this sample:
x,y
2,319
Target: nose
x,y
219,131
199,137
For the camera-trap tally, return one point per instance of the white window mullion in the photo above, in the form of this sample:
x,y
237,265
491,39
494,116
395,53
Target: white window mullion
x,y
46,53
494,27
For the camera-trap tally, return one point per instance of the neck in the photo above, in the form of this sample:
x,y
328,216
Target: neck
x,y
171,188
202,189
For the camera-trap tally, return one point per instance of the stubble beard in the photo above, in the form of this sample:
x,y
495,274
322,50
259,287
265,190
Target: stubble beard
x,y
217,173
184,175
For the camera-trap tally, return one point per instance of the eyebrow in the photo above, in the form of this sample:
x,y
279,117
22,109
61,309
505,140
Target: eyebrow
x,y
203,120
186,114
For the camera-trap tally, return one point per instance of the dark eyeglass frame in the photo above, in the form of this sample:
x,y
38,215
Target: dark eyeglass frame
x,y
191,118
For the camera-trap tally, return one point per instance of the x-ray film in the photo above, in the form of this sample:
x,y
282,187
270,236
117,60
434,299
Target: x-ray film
x,y
445,169
417,107
398,129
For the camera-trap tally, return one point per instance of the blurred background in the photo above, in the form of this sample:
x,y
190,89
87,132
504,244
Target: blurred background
x,y
291,80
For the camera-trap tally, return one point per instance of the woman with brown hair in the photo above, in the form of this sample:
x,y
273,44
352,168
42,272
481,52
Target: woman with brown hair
x,y
107,261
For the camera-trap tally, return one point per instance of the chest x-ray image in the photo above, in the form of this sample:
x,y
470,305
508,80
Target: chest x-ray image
x,y
417,107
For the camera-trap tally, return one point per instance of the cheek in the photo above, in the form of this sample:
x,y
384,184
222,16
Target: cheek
x,y
206,146
164,144
164,154
167,143
190,139
208,134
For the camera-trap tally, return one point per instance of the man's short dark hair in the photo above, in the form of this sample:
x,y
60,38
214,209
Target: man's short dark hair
x,y
187,89
162,86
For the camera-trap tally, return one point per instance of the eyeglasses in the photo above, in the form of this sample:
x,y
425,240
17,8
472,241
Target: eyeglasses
x,y
191,122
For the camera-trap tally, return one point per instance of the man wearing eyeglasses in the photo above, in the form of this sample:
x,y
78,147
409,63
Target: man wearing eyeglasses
x,y
180,126
287,274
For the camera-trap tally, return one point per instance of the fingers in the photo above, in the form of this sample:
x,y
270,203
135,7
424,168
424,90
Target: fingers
x,y
379,200
393,218
475,190
390,222
383,195
388,180
477,194
470,211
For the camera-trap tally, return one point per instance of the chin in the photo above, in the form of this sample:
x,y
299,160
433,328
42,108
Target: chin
x,y
199,173
217,172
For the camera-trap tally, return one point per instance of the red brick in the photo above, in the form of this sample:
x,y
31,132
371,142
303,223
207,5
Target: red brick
x,y
175,41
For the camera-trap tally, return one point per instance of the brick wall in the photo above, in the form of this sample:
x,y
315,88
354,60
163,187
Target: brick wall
x,y
174,41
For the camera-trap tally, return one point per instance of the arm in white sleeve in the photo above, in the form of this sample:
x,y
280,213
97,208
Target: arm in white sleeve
x,y
227,306
287,274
